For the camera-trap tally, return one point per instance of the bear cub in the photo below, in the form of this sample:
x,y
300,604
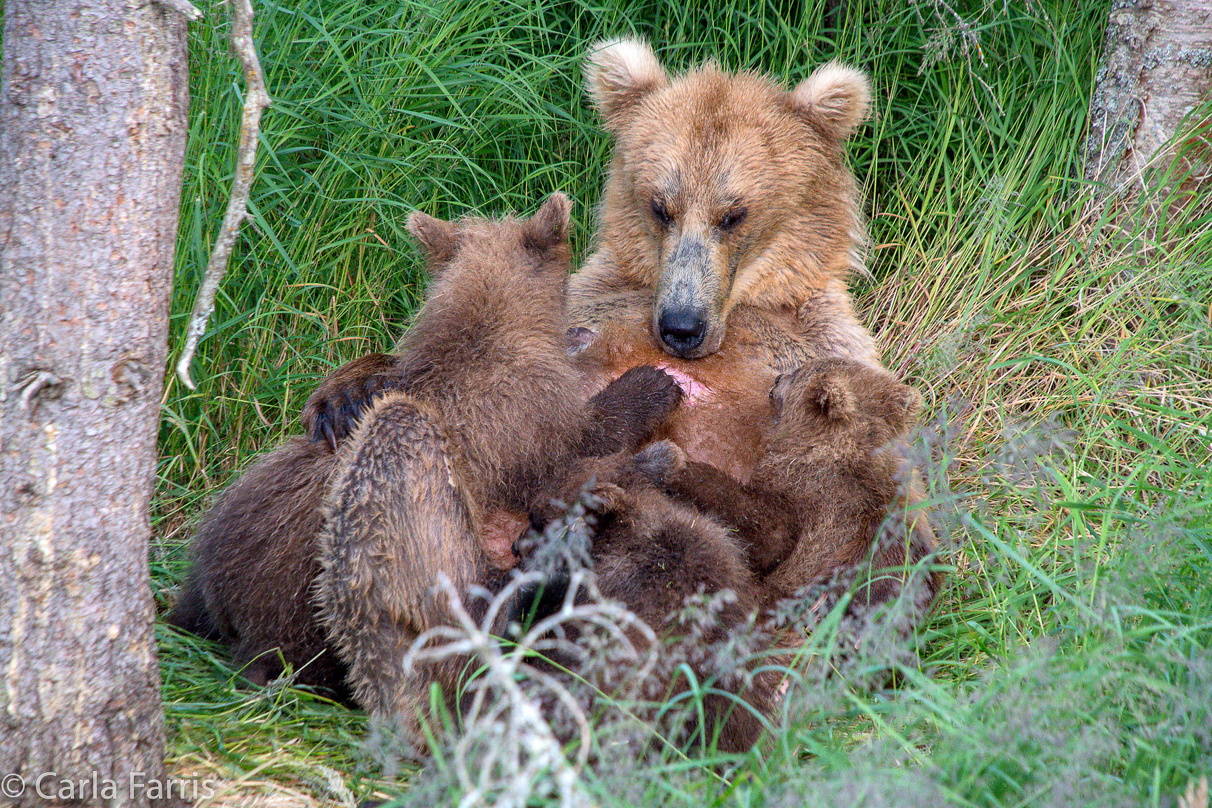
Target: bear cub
x,y
484,410
653,554
820,497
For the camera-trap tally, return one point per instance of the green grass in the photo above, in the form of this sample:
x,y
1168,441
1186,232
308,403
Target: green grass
x,y
1064,359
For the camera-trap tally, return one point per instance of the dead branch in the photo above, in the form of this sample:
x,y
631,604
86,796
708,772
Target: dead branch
x,y
256,99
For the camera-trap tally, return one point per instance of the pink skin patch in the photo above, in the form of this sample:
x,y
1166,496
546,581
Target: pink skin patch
x,y
695,391
497,535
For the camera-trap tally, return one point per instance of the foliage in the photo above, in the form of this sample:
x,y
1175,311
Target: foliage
x,y
1063,354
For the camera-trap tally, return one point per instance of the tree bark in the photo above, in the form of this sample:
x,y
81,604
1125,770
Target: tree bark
x,y
93,100
1156,70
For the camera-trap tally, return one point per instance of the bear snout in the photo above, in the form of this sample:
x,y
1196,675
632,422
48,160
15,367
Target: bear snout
x,y
682,329
687,320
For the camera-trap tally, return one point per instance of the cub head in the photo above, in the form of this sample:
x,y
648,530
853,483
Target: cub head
x,y
725,188
843,405
533,252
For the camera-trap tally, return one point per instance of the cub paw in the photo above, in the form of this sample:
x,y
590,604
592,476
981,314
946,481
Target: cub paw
x,y
332,412
659,462
651,390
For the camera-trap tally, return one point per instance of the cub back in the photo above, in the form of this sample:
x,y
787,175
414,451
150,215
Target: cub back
x,y
487,349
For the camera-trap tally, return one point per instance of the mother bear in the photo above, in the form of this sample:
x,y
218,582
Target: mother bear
x,y
729,227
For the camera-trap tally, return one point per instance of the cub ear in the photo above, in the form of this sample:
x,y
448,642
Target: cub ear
x,y
618,74
578,339
832,396
835,99
549,226
904,404
439,239
778,394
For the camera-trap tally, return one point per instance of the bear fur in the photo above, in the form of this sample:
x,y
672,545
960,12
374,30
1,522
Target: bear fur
x,y
255,552
823,499
652,554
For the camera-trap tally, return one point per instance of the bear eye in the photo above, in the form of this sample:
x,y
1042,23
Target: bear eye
x,y
660,212
733,217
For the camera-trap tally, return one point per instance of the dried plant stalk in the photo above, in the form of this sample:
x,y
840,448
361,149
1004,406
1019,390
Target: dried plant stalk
x,y
256,99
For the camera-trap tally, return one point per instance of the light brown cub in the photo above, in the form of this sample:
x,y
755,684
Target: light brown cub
x,y
486,411
819,502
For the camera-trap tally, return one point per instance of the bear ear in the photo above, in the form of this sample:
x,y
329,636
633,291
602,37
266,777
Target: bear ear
x,y
549,226
835,99
904,404
439,239
832,397
578,339
778,394
618,74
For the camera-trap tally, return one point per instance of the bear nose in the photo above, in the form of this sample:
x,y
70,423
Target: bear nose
x,y
682,329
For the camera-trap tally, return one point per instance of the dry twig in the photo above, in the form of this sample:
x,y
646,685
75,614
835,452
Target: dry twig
x,y
256,99
523,750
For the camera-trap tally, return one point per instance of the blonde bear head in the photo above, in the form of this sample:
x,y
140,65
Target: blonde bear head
x,y
725,188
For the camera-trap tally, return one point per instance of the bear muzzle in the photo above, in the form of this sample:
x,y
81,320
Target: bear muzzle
x,y
687,321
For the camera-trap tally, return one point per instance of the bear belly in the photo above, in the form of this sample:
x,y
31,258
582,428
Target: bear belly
x,y
726,411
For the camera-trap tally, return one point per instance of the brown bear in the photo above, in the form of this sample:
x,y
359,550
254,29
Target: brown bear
x,y
652,554
726,190
256,549
729,227
823,497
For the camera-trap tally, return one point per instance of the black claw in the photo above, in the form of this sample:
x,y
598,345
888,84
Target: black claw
x,y
325,427
349,418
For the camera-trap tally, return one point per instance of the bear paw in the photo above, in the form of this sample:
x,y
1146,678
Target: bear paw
x,y
332,412
658,462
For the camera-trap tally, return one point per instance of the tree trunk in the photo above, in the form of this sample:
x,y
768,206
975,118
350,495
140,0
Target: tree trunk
x,y
93,100
1156,70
